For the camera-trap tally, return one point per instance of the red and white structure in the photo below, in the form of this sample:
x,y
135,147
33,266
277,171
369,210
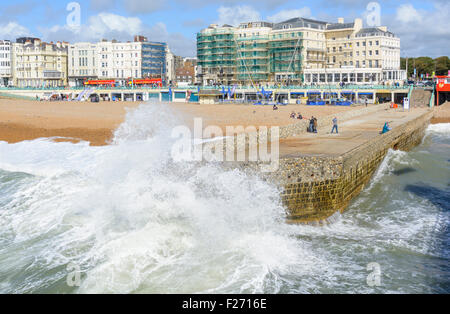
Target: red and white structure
x,y
442,89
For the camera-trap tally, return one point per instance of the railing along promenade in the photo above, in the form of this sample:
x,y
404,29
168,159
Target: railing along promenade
x,y
218,87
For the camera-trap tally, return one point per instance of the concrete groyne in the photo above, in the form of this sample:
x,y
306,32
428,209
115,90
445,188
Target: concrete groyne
x,y
316,187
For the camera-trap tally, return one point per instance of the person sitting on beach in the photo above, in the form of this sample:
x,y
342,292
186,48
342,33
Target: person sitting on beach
x,y
386,128
275,107
299,117
292,115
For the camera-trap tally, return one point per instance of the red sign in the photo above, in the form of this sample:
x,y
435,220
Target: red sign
x,y
100,82
443,83
157,82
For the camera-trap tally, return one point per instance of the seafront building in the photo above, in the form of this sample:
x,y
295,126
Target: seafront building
x,y
119,61
5,63
185,75
153,58
39,64
298,51
82,61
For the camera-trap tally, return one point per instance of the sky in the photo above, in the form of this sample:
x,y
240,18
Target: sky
x,y
423,26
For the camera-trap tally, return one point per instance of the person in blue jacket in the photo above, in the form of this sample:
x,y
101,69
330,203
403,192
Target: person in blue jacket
x,y
386,128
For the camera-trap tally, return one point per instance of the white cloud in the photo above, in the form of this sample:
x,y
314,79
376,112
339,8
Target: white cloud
x,y
407,13
103,25
108,22
12,30
289,14
112,26
422,32
237,14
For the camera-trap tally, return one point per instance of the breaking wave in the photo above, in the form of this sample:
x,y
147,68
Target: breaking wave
x,y
134,221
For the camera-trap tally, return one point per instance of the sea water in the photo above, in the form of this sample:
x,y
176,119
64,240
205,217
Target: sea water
x,y
126,218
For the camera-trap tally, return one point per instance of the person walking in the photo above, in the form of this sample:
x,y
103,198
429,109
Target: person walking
x,y
311,125
365,101
315,124
335,126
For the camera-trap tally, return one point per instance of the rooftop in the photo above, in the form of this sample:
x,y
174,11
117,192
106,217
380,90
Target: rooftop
x,y
373,31
300,22
336,26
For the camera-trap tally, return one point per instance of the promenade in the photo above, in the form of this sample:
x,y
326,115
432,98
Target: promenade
x,y
352,133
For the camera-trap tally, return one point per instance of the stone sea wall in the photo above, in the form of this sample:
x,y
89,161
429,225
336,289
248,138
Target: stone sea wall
x,y
316,188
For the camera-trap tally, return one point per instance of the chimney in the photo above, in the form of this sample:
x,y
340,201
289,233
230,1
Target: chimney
x,y
140,38
341,20
358,24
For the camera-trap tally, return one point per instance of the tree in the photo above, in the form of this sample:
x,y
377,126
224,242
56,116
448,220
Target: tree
x,y
426,65
442,65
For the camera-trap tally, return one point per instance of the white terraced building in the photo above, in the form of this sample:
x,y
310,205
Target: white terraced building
x,y
104,60
119,61
82,63
39,64
5,63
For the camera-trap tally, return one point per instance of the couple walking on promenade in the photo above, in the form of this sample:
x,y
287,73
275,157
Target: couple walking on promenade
x,y
313,125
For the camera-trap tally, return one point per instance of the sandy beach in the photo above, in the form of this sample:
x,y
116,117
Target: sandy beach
x,y
95,122
442,114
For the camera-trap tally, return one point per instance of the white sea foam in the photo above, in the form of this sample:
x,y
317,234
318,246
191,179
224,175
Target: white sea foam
x,y
443,128
137,221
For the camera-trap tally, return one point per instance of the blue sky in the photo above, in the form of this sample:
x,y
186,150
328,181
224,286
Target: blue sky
x,y
423,26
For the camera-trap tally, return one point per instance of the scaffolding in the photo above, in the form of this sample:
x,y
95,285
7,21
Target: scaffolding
x,y
228,59
285,52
